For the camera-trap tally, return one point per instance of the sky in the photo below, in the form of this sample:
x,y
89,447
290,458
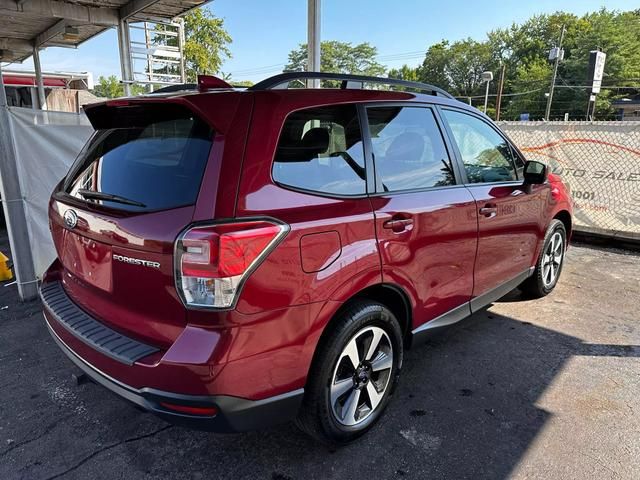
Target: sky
x,y
264,32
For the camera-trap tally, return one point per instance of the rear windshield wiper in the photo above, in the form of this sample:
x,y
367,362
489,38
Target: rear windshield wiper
x,y
90,194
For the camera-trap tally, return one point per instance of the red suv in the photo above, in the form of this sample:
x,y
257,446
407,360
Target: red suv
x,y
232,259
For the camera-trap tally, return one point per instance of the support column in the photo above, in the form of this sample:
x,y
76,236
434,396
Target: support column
x,y
313,40
13,205
181,43
42,100
124,49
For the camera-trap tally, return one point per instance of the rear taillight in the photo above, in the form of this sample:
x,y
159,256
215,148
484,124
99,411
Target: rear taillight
x,y
213,261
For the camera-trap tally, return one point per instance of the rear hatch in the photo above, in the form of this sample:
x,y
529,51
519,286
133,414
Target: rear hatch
x,y
116,215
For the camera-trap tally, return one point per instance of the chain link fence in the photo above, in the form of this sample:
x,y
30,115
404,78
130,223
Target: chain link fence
x,y
600,161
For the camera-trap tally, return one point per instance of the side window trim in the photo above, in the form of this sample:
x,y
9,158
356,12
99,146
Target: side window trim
x,y
458,155
369,163
517,155
377,188
458,171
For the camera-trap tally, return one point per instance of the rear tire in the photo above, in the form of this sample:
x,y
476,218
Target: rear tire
x,y
549,264
343,400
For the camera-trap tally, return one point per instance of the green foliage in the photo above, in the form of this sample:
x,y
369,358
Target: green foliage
x,y
434,69
206,44
339,57
404,73
240,83
524,48
110,87
458,66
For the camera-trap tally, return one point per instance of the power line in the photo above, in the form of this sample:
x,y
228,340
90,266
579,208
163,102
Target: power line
x,y
504,94
610,87
276,67
244,70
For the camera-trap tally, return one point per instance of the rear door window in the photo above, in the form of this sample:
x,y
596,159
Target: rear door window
x,y
151,163
320,150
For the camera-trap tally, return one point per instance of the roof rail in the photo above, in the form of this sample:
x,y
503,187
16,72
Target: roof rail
x,y
278,81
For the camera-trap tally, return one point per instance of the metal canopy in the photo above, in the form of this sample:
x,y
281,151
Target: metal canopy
x,y
34,24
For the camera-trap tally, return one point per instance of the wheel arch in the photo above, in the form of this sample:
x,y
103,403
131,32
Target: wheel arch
x,y
392,296
395,298
565,217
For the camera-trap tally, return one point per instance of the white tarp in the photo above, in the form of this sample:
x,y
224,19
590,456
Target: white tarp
x,y
46,145
600,161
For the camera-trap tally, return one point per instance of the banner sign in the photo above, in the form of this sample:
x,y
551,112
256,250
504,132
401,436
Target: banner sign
x,y
600,161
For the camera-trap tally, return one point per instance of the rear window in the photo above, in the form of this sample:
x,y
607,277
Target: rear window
x,y
146,162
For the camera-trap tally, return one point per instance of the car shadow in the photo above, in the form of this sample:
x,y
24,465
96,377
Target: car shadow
x,y
466,407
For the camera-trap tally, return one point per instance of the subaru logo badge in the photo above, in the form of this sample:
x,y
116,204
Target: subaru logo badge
x,y
70,218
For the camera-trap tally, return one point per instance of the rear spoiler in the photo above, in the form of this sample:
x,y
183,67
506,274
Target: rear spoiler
x,y
217,110
123,113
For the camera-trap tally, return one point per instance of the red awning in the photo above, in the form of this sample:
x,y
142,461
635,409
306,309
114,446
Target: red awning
x,y
20,80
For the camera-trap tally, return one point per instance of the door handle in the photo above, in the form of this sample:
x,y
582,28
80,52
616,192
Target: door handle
x,y
489,210
398,225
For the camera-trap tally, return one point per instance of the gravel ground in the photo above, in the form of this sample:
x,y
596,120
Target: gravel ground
x,y
527,389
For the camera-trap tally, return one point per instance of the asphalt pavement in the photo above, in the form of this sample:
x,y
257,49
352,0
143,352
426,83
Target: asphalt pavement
x,y
526,389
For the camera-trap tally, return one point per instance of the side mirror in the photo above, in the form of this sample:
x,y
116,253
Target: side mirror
x,y
535,173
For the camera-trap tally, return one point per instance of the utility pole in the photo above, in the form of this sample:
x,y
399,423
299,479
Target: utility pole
x,y
500,87
553,77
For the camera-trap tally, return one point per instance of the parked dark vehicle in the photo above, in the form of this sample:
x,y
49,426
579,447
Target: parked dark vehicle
x,y
233,259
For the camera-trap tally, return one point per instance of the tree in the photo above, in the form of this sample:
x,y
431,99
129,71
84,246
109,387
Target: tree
x,y
240,83
467,60
111,87
206,44
524,48
434,66
457,67
339,57
404,73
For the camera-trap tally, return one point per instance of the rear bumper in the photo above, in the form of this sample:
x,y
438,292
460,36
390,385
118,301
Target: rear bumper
x,y
232,414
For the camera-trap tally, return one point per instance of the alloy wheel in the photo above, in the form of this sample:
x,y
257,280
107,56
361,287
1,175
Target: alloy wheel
x,y
361,376
552,259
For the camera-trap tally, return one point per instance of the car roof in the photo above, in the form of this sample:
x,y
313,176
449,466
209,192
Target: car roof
x,y
331,95
210,90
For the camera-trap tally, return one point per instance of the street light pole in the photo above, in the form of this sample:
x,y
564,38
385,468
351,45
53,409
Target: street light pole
x,y
500,87
486,97
486,77
553,77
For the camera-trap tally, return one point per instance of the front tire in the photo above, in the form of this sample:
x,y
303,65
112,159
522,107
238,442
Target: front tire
x,y
549,264
353,375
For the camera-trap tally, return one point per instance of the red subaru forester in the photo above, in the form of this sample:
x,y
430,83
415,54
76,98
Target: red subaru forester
x,y
231,259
